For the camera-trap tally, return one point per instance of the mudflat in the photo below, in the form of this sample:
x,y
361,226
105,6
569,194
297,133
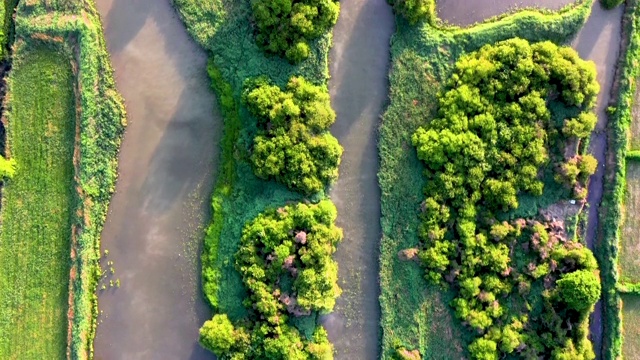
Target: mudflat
x,y
156,218
359,64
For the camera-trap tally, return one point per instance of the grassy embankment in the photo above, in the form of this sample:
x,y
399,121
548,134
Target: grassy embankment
x,y
37,208
416,315
71,33
620,225
224,30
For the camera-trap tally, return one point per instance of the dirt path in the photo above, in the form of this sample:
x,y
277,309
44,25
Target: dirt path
x,y
167,159
599,41
466,12
359,64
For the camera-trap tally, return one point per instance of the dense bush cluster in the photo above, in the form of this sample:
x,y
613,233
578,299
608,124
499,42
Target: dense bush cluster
x,y
285,27
413,10
492,138
293,145
286,265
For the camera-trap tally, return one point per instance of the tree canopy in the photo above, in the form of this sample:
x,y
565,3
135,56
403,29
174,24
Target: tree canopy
x,y
293,145
285,27
286,266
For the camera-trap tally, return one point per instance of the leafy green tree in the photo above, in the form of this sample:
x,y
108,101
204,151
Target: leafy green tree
x,y
580,290
217,334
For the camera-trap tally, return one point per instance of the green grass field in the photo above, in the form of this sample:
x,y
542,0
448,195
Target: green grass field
x,y
631,326
37,209
629,261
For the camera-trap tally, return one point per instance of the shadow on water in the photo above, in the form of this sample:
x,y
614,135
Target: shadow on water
x,y
359,64
156,218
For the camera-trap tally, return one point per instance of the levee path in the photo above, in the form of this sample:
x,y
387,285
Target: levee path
x,y
167,159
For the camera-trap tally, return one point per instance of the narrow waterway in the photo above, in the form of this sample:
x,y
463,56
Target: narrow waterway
x,y
599,41
154,227
359,64
466,12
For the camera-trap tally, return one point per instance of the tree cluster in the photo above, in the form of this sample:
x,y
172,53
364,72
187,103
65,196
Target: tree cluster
x,y
285,262
493,135
285,27
293,145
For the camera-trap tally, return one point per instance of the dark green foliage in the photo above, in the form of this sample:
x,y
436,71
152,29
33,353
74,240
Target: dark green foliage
x,y
610,4
285,27
492,135
414,10
579,290
292,242
293,145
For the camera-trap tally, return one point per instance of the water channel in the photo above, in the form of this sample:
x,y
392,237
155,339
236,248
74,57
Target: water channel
x,y
167,159
359,66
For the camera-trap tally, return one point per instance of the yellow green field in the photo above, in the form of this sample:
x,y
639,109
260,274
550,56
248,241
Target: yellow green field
x,y
37,208
631,326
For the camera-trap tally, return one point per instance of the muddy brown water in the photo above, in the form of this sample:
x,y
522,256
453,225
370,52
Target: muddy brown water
x,y
154,227
468,12
359,64
599,41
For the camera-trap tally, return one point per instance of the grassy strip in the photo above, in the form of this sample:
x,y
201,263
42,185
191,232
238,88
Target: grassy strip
x,y
37,208
224,29
74,29
633,155
615,184
415,315
629,288
629,252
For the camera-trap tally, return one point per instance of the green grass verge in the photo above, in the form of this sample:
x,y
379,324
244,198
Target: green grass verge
x,y
631,327
629,258
73,29
414,314
37,208
224,29
611,209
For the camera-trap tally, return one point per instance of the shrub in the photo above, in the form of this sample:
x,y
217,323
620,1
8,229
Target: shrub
x,y
7,168
293,145
285,27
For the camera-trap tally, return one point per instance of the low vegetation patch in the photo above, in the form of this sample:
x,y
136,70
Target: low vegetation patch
x,y
37,208
285,262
